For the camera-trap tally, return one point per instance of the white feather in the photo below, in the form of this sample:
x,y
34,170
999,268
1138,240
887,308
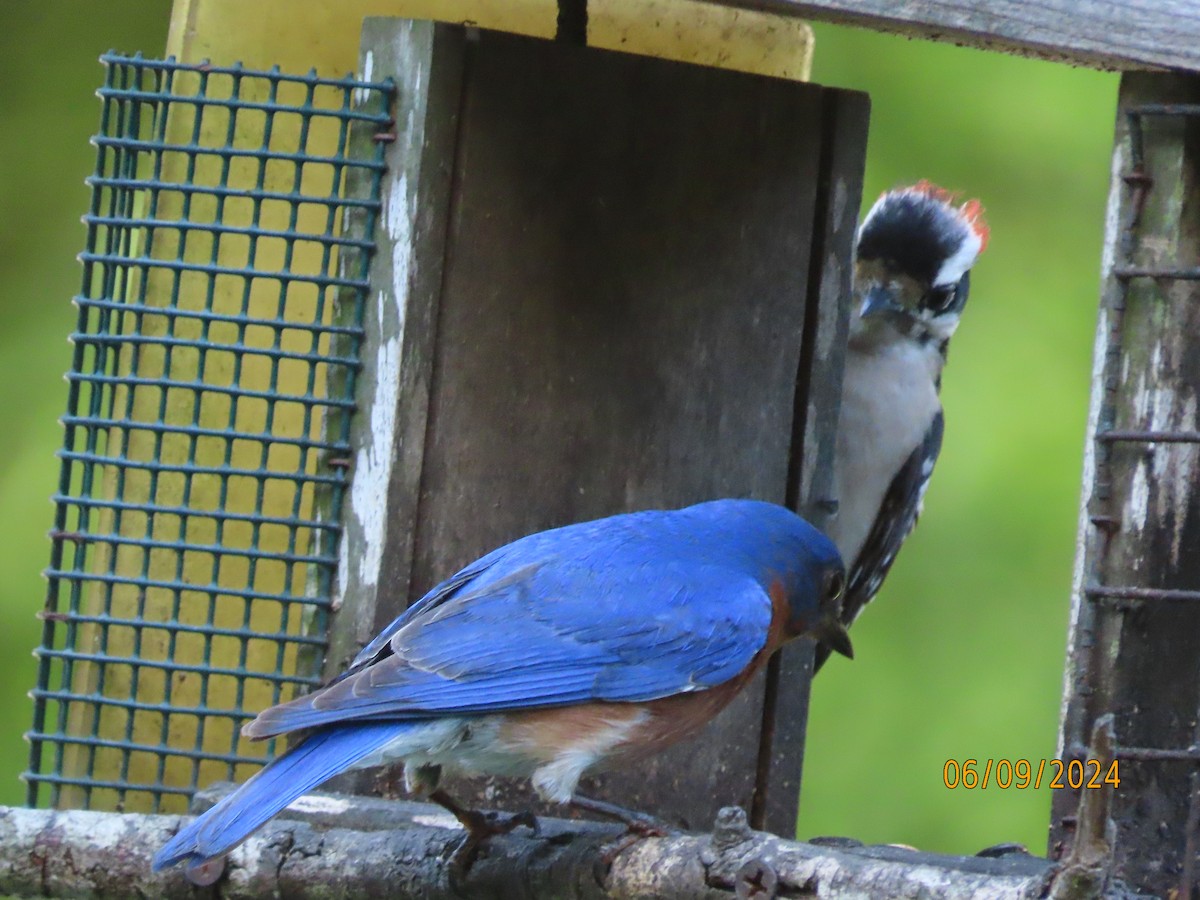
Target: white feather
x,y
956,266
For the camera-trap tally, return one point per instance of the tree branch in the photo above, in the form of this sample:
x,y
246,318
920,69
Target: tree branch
x,y
401,849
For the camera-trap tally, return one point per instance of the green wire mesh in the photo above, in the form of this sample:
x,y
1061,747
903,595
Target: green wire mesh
x,y
206,434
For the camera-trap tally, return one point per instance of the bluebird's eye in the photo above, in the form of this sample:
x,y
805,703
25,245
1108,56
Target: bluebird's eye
x,y
835,583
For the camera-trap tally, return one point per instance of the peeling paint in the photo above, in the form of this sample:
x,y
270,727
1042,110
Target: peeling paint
x,y
1099,353
339,581
1141,395
1163,481
1175,465
362,95
1137,504
1166,481
401,210
1184,476
1084,527
373,462
315,804
1112,210
438,822
378,451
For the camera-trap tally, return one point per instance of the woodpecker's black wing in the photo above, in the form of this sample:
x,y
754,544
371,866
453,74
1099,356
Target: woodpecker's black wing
x,y
896,517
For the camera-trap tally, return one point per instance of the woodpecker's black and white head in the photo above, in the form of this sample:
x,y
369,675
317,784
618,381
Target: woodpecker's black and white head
x,y
915,251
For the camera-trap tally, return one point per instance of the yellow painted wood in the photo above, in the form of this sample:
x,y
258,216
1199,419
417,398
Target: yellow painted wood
x,y
299,34
745,40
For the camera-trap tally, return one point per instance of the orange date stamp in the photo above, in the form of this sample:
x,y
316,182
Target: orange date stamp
x,y
1057,774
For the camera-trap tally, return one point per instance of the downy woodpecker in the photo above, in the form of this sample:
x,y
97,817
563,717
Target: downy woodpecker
x,y
914,252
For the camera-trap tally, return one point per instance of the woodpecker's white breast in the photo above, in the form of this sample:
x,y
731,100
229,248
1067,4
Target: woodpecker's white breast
x,y
889,398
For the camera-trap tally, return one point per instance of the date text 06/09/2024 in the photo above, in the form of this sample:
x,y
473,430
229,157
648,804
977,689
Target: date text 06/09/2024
x,y
1077,774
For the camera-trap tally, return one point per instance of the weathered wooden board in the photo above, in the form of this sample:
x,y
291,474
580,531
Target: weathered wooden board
x,y
627,276
1139,658
1108,35
815,422
387,429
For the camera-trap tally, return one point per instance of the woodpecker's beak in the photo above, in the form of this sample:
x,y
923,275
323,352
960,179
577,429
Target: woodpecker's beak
x,y
831,632
878,301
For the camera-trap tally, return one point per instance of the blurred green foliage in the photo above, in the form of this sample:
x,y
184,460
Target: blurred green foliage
x,y
48,76
962,654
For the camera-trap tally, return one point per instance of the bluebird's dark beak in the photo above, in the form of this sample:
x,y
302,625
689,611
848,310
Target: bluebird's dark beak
x,y
832,633
878,301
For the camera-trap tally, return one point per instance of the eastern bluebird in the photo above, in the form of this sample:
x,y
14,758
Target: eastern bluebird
x,y
567,650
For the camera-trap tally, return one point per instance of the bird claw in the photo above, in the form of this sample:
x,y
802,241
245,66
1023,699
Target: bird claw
x,y
637,823
506,823
484,825
481,827
463,857
611,850
638,827
642,826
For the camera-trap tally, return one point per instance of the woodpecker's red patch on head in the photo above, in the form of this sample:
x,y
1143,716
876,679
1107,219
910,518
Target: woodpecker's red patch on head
x,y
970,212
929,189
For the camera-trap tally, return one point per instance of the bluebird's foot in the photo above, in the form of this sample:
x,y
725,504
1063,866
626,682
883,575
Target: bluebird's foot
x,y
638,826
480,826
635,822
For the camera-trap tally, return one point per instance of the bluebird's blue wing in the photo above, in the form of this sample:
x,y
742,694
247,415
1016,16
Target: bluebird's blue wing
x,y
438,594
619,626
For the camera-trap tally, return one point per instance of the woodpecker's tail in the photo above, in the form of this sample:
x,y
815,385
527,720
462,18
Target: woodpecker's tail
x,y
315,760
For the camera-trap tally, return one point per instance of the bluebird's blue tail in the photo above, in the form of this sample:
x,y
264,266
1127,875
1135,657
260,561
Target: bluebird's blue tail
x,y
315,760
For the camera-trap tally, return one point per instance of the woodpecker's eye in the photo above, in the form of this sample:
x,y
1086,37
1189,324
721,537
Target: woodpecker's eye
x,y
939,299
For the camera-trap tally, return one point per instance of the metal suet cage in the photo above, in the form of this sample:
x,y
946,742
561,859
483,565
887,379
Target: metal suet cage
x,y
206,431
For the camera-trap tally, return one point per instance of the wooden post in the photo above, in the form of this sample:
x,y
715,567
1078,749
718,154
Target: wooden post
x,y
818,398
1135,626
630,254
388,426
